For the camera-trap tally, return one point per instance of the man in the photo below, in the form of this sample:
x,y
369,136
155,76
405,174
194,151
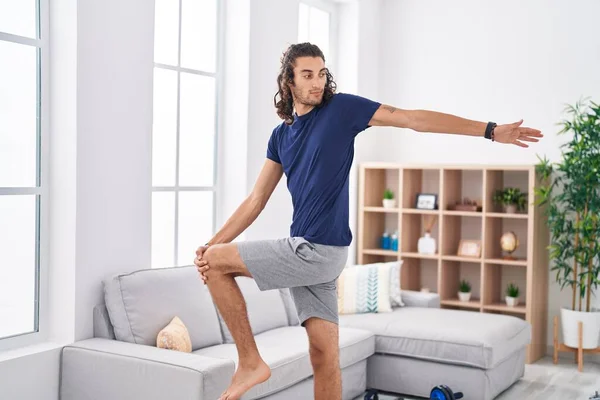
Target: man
x,y
314,147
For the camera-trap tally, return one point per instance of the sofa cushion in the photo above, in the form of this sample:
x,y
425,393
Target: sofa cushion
x,y
285,350
257,302
451,336
142,303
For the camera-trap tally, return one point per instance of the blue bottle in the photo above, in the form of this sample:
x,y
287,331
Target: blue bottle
x,y
385,241
395,241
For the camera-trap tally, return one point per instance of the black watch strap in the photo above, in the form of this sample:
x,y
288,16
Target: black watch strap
x,y
489,130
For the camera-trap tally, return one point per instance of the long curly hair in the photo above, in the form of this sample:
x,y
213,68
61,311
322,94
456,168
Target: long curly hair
x,y
285,103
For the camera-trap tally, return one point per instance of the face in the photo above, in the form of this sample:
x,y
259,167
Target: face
x,y
309,80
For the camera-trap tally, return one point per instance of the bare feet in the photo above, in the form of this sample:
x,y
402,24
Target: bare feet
x,y
244,379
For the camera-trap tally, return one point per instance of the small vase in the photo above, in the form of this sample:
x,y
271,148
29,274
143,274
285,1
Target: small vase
x,y
512,301
510,208
462,296
389,203
426,244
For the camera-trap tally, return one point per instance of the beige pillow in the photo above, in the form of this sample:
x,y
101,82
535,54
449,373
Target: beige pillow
x,y
174,336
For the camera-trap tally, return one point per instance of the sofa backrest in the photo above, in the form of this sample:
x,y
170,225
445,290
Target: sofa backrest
x,y
139,304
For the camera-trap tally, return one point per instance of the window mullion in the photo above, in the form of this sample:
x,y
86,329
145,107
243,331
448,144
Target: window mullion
x,y
177,155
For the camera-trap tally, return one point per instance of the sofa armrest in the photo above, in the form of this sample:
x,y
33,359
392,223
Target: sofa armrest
x,y
98,369
412,298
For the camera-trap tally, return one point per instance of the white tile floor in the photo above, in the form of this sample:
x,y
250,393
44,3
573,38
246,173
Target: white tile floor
x,y
546,381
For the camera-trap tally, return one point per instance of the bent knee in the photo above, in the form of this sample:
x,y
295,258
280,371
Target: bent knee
x,y
223,259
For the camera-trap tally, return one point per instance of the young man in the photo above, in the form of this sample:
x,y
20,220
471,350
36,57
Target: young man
x,y
314,147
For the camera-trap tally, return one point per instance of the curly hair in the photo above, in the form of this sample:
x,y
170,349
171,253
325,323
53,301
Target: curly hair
x,y
285,103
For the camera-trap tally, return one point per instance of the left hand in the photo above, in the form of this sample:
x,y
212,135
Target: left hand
x,y
516,134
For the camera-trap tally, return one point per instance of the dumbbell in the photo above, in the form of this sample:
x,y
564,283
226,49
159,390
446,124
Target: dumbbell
x,y
443,392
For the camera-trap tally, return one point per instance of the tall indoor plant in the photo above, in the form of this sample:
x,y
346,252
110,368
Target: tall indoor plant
x,y
571,192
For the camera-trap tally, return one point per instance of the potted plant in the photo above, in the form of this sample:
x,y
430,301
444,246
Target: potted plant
x,y
464,291
512,295
388,199
570,193
512,199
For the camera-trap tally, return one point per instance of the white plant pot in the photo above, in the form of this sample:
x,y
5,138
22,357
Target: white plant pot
x,y
389,203
462,296
512,301
591,328
510,208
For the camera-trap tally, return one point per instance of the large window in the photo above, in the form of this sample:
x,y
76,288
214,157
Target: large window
x,y
23,183
316,24
186,49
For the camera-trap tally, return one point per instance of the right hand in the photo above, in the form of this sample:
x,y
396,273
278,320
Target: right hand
x,y
199,263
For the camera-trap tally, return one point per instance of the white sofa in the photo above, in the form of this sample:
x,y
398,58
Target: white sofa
x,y
409,350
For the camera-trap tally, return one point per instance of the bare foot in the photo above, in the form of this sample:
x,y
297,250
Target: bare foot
x,y
244,379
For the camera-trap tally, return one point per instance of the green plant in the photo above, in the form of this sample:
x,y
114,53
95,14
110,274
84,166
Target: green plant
x,y
570,193
388,194
464,287
510,195
512,290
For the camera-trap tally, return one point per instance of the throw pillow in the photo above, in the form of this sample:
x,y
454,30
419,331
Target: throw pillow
x,y
174,336
364,289
395,284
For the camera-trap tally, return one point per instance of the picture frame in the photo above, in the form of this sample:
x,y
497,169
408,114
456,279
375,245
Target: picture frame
x,y
469,248
426,201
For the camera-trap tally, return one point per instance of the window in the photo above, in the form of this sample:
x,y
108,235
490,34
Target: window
x,y
23,172
186,50
316,24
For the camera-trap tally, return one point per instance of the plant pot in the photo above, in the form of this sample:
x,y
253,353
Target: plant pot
x,y
389,203
464,296
510,208
591,328
512,301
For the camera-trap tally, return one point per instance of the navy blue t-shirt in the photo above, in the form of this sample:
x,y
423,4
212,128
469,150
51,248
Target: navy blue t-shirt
x,y
316,153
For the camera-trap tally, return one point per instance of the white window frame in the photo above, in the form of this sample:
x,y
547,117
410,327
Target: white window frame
x,y
330,7
41,328
218,90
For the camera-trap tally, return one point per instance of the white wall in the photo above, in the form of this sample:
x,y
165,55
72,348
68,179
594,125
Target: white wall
x,y
487,61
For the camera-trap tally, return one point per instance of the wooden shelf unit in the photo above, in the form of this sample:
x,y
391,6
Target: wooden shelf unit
x,y
441,273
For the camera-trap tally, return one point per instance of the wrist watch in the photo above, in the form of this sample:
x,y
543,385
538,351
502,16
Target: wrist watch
x,y
489,130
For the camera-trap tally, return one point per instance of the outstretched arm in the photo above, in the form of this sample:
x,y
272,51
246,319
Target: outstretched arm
x,y
436,122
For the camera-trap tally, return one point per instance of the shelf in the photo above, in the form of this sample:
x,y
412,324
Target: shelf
x,y
502,307
463,213
419,211
489,273
473,303
462,259
500,261
409,254
381,252
381,209
506,215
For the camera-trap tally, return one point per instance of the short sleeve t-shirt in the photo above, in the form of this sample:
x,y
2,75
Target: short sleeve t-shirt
x,y
316,154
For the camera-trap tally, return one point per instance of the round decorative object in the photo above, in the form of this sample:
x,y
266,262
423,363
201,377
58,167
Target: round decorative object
x,y
509,242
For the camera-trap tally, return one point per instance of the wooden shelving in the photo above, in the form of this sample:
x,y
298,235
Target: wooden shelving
x,y
490,273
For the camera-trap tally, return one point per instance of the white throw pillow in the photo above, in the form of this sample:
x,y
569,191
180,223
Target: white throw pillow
x,y
365,289
396,284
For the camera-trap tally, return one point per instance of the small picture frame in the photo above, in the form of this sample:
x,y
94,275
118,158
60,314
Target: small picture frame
x,y
426,201
469,248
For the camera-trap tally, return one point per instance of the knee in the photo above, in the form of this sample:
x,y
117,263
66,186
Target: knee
x,y
213,257
323,357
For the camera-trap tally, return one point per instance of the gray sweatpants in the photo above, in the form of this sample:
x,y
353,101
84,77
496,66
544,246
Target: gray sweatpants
x,y
309,270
